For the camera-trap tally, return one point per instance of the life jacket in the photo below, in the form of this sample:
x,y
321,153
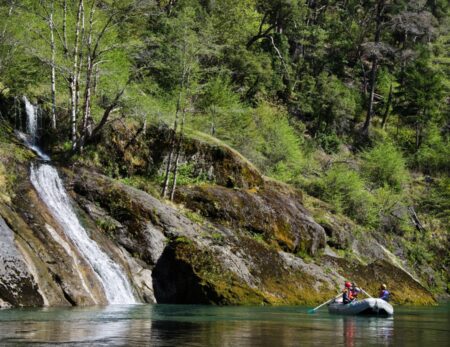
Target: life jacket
x,y
347,296
384,294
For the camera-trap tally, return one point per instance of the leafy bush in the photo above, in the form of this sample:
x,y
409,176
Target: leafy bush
x,y
264,134
384,165
436,200
345,190
280,145
433,155
329,142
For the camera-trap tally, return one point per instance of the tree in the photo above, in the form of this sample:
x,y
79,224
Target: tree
x,y
420,95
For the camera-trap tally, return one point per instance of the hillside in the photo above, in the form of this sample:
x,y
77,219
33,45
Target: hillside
x,y
247,151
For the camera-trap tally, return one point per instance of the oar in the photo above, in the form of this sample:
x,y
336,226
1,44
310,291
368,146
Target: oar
x,y
370,296
316,308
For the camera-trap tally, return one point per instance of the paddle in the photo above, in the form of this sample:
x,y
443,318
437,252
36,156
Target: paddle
x,y
316,308
364,292
370,296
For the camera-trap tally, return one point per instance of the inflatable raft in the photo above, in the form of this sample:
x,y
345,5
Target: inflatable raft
x,y
370,306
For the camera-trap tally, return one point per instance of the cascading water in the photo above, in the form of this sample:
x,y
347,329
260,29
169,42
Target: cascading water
x,y
48,184
50,188
32,119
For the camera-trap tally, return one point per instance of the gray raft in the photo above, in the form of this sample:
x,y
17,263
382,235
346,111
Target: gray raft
x,y
370,306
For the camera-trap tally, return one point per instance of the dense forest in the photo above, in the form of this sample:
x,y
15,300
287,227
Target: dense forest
x,y
347,100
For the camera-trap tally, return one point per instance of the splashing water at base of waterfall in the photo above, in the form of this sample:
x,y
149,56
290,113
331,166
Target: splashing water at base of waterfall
x,y
49,186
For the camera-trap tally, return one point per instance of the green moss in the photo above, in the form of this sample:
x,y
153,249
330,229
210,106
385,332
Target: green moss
x,y
195,217
142,183
106,225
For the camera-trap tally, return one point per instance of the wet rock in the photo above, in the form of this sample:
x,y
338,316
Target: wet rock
x,y
17,285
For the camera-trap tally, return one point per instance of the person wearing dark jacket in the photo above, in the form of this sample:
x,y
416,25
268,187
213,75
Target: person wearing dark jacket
x,y
384,293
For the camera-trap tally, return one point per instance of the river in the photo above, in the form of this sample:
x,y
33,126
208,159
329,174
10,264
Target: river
x,y
170,325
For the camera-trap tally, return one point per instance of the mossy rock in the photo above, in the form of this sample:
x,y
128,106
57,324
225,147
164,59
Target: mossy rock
x,y
125,151
186,274
278,216
404,289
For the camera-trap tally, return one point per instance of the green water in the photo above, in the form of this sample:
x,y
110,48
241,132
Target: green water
x,y
169,325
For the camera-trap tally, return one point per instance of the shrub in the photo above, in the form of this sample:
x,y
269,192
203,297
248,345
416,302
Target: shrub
x,y
345,190
384,165
280,144
433,155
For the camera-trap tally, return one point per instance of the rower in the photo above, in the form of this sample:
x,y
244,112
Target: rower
x,y
347,295
384,293
355,291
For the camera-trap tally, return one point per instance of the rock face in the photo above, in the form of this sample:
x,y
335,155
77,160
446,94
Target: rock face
x,y
242,240
17,285
259,211
145,154
218,262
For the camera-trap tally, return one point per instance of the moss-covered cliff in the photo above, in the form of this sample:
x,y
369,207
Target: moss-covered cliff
x,y
233,237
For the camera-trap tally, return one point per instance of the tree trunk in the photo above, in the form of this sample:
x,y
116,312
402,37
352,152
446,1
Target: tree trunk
x,y
175,127
172,144
373,72
213,120
53,62
177,158
66,50
89,71
74,82
80,54
386,111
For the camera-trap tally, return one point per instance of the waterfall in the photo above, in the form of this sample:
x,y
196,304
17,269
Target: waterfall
x,y
32,119
50,188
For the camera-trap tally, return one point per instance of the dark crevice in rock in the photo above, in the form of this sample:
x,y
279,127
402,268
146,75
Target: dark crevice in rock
x,y
67,296
174,281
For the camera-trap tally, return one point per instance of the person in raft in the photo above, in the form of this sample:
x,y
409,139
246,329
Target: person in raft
x,y
347,295
355,291
384,294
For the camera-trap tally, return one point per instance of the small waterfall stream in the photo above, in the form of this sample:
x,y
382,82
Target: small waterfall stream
x,y
50,188
32,119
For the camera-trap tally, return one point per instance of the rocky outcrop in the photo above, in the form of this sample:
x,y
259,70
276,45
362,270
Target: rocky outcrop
x,y
250,242
220,262
280,218
17,285
126,151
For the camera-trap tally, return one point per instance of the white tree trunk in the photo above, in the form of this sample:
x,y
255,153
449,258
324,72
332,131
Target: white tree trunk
x,y
74,81
53,63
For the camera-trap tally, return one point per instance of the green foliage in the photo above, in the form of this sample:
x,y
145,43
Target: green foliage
x,y
384,165
345,190
142,183
436,199
187,175
279,144
433,155
329,142
106,225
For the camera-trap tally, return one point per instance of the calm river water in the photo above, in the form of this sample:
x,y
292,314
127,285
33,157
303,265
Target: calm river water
x,y
169,325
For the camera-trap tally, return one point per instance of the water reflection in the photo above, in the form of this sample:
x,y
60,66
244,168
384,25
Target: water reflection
x,y
165,325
